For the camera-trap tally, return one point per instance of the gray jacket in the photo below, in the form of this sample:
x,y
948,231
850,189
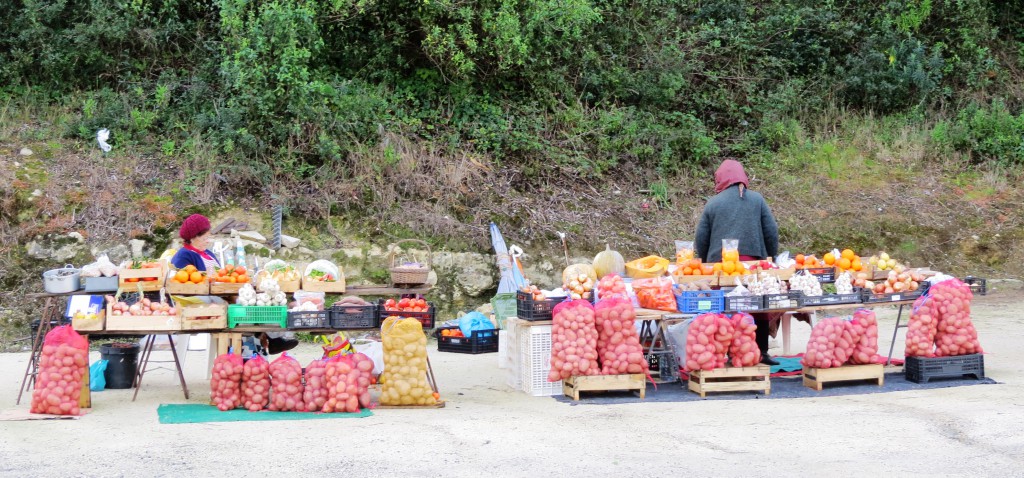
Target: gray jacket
x,y
728,216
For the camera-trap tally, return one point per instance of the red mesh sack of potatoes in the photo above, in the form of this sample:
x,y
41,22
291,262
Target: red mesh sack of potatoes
x,y
830,345
955,333
610,286
921,329
226,382
618,343
314,392
286,382
573,341
256,384
743,351
348,382
707,342
864,325
63,362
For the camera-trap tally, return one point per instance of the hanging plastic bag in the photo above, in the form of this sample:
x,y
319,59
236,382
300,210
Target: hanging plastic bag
x,y
62,365
97,382
474,321
374,350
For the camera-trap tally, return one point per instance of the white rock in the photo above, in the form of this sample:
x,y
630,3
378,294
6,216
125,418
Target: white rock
x,y
250,235
289,241
25,152
137,245
37,193
76,236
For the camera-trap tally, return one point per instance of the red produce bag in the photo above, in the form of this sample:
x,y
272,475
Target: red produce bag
x,y
831,344
348,382
226,382
955,333
256,384
865,326
618,343
573,341
655,294
707,342
63,362
314,393
611,286
286,379
921,328
743,351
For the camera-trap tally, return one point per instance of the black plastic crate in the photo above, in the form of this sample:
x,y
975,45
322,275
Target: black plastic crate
x,y
700,301
824,274
833,299
535,310
869,297
978,285
479,342
923,369
793,299
309,319
664,365
344,317
744,303
425,318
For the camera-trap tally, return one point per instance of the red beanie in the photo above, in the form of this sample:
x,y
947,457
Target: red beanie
x,y
194,226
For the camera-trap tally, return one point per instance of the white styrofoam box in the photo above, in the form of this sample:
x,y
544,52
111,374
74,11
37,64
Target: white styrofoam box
x,y
511,358
535,353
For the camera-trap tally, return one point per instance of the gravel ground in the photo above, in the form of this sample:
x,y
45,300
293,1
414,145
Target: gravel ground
x,y
488,427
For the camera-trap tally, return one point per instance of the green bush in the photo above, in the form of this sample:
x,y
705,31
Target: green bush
x,y
984,133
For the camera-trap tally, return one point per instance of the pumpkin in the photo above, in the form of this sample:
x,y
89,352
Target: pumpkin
x,y
609,262
575,270
647,267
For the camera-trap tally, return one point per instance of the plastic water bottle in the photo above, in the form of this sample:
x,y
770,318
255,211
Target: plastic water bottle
x,y
240,254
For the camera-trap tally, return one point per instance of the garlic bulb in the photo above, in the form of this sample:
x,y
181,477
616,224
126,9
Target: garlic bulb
x,y
806,283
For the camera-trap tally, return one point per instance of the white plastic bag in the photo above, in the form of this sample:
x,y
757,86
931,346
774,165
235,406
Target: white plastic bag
x,y
374,350
676,337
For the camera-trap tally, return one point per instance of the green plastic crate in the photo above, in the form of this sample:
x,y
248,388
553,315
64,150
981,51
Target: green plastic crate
x,y
257,315
504,307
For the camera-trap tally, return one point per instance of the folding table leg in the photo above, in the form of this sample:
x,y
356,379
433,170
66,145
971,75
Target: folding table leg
x,y
899,315
177,365
147,350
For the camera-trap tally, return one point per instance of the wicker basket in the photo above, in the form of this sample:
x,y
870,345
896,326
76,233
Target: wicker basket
x,y
410,275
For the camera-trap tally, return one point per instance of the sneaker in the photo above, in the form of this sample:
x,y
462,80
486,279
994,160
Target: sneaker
x,y
768,360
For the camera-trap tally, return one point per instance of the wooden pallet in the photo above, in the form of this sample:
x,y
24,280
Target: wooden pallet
x,y
731,379
572,386
816,378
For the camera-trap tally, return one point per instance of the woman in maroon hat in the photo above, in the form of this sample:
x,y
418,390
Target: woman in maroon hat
x,y
195,231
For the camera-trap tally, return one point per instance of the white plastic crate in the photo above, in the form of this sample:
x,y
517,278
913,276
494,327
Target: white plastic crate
x,y
534,345
508,357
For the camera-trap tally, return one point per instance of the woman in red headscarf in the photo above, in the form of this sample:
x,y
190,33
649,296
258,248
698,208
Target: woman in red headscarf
x,y
739,213
195,231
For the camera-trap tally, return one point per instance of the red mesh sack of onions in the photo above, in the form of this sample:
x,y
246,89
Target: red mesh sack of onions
x,y
864,325
618,343
611,286
707,342
955,333
573,341
63,362
256,384
348,380
830,345
286,380
314,393
226,382
743,351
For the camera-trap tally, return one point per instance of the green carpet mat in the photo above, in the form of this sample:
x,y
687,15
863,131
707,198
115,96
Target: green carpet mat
x,y
199,413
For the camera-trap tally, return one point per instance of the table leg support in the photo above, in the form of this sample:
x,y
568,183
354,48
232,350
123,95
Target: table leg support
x,y
892,345
177,365
147,350
37,343
786,326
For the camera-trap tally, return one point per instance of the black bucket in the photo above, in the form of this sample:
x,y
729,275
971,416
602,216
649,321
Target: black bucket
x,y
122,363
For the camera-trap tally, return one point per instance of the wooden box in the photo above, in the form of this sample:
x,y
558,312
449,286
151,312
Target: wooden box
x,y
129,280
187,288
731,379
816,378
712,280
225,288
288,286
572,386
190,314
89,325
161,323
336,287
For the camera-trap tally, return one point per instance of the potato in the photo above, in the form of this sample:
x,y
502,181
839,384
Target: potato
x,y
286,382
575,327
62,365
